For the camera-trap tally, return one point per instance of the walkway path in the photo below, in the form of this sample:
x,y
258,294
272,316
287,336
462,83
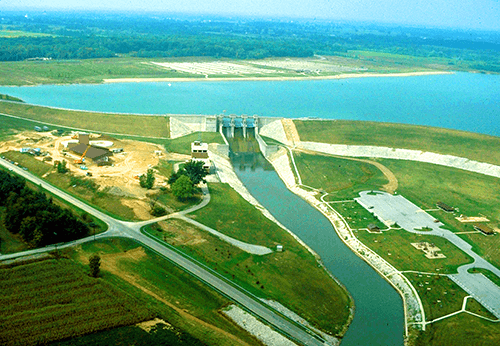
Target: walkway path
x,y
302,334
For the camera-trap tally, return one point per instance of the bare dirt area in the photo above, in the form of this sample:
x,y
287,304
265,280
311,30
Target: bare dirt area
x,y
120,178
181,233
472,219
431,251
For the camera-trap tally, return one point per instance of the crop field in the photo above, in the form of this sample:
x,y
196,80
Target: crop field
x,y
473,146
54,299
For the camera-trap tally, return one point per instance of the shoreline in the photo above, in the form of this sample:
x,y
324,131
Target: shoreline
x,y
271,79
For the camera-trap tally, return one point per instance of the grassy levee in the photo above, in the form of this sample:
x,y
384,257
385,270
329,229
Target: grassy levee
x,y
10,98
292,277
11,126
190,308
147,126
473,146
55,299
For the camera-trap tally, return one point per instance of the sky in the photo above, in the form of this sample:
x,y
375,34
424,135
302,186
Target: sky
x,y
465,14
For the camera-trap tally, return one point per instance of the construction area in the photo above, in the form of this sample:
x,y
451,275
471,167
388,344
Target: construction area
x,y
112,163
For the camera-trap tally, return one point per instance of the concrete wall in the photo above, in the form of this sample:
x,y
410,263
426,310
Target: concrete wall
x,y
265,149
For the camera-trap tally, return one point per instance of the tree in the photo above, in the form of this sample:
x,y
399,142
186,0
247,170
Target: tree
x,y
195,171
147,181
61,167
94,264
183,188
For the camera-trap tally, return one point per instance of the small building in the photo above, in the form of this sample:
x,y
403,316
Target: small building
x,y
117,150
373,228
38,129
483,228
445,207
199,152
46,128
279,248
93,153
24,150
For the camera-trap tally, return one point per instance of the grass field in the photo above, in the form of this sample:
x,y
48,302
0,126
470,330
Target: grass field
x,y
55,299
395,247
82,71
342,178
148,126
189,306
443,141
444,296
286,277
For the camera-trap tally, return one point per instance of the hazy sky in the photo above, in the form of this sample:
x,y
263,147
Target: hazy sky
x,y
476,14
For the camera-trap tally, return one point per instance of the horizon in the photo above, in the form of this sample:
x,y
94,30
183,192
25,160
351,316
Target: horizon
x,y
442,14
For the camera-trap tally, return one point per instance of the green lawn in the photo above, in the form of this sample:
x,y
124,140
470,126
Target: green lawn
x,y
443,141
444,296
286,277
343,178
395,247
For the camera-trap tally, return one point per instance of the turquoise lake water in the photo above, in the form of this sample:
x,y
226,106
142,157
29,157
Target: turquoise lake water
x,y
462,101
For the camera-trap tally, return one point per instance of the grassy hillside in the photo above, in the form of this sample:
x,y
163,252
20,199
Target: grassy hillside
x,y
443,141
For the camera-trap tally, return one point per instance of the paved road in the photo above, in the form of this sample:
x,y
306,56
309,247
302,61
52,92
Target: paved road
x,y
390,208
117,228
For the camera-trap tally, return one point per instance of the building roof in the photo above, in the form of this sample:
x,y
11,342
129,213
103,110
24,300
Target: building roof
x,y
445,207
197,145
93,153
483,228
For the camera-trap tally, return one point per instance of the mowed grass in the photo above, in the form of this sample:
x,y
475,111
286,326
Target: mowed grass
x,y
343,178
462,329
56,299
191,307
292,277
26,160
438,140
395,247
138,125
441,296
11,126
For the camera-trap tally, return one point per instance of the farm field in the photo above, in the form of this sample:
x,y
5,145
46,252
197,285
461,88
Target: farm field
x,y
282,276
54,299
188,312
473,146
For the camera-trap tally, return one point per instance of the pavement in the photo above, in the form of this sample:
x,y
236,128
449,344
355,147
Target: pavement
x,y
395,208
116,228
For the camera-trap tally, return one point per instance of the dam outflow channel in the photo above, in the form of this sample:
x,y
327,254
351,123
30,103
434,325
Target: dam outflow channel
x,y
379,316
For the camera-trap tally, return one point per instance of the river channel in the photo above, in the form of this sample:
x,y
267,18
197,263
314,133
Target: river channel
x,y
379,316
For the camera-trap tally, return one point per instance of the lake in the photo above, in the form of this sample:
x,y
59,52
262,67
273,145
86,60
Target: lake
x,y
462,101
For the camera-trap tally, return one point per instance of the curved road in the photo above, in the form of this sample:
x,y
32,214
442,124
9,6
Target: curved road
x,y
116,228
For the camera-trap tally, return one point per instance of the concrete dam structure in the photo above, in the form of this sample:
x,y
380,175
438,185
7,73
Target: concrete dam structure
x,y
181,125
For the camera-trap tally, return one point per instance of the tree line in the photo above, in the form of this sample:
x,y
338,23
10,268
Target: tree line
x,y
34,216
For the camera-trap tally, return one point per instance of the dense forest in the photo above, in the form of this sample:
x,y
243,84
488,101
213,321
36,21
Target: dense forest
x,y
90,35
35,217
